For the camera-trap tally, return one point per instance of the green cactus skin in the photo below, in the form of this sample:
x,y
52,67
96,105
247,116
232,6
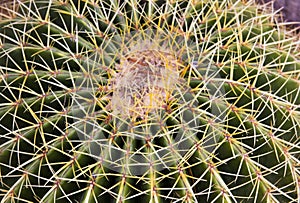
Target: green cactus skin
x,y
243,143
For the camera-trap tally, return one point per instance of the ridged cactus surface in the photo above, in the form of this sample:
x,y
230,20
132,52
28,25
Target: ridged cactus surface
x,y
150,101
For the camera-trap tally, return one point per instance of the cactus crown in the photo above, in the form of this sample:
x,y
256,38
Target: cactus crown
x,y
145,78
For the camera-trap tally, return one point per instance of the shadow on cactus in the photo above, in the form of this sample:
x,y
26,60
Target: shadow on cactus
x,y
153,101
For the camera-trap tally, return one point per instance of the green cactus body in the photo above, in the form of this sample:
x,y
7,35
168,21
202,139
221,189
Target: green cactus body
x,y
151,101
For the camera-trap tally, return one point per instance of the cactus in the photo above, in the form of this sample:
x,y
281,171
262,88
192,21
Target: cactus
x,y
157,101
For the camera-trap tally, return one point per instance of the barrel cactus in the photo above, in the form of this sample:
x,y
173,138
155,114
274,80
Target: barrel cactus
x,y
151,101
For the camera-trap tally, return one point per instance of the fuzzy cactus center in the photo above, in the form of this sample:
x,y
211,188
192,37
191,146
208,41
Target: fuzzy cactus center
x,y
144,82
